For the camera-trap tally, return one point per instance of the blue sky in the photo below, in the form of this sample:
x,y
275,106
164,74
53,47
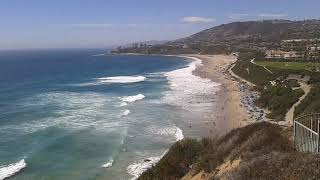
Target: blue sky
x,y
101,23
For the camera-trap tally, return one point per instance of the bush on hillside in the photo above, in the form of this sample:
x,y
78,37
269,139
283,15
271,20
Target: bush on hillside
x,y
278,99
311,104
175,164
275,165
263,148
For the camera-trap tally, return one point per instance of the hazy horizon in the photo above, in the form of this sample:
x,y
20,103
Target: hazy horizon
x,y
100,24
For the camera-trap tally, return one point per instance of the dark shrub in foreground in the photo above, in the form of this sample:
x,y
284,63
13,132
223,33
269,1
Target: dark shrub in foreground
x,y
175,164
263,149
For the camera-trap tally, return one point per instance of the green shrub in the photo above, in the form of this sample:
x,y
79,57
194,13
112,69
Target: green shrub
x,y
278,99
175,164
311,104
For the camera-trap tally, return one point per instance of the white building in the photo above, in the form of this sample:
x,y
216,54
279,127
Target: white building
x,y
278,54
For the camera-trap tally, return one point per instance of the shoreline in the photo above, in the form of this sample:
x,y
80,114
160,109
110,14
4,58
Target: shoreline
x,y
225,109
193,92
229,112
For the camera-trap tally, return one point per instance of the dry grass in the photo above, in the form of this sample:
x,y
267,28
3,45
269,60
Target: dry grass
x,y
264,149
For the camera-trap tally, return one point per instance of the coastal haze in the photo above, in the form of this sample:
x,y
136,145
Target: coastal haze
x,y
96,24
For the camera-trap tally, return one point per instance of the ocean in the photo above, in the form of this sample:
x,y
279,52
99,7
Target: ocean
x,y
83,114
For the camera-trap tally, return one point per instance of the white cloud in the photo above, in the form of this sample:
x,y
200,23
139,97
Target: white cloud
x,y
194,19
268,15
238,15
92,25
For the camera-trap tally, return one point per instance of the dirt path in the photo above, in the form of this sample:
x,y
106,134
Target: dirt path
x,y
289,116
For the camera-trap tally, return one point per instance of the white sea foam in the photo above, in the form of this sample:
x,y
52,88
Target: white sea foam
x,y
110,80
123,104
98,55
108,164
122,79
155,75
187,90
179,134
126,112
166,131
10,170
136,169
76,111
132,98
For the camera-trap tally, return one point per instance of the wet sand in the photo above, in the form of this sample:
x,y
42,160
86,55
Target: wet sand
x,y
228,113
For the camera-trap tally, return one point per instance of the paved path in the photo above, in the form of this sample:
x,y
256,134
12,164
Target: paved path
x,y
252,61
289,116
239,78
244,80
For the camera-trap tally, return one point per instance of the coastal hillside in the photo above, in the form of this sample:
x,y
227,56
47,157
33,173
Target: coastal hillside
x,y
257,151
251,31
232,37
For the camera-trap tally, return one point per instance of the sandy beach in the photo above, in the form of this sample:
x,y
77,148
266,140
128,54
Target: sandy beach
x,y
229,113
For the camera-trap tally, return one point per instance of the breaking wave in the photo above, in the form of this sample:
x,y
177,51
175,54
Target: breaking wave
x,y
123,104
76,111
98,55
122,79
132,98
136,169
126,112
10,170
179,134
167,131
188,90
108,164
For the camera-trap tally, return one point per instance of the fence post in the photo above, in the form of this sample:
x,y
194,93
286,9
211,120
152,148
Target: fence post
x,y
318,141
306,133
294,133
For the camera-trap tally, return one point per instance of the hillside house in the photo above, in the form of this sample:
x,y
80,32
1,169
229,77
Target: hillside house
x,y
313,48
278,54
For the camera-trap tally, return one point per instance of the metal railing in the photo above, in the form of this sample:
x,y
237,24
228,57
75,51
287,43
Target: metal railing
x,y
306,133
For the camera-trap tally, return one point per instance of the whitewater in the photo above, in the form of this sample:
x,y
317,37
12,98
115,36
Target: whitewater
x,y
9,170
122,79
187,91
108,116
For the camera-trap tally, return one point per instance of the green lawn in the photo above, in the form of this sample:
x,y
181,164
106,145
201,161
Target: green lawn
x,y
287,65
253,73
